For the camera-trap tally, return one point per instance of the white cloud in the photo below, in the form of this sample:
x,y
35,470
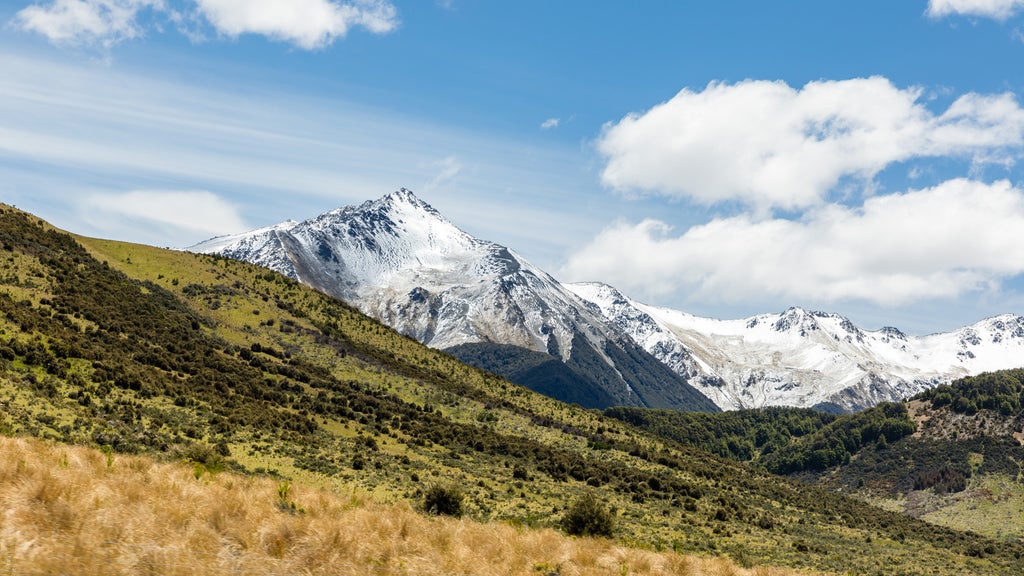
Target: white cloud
x,y
768,145
996,9
550,123
86,22
193,212
941,242
307,23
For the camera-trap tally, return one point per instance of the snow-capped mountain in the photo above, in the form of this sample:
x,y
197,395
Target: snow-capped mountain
x,y
801,358
398,260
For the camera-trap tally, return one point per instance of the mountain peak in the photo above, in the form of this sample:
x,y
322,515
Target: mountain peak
x,y
389,208
403,195
403,198
795,318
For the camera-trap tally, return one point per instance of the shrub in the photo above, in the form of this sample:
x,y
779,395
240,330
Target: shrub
x,y
443,500
588,517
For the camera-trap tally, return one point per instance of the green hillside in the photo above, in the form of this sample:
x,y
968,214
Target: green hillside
x,y
134,349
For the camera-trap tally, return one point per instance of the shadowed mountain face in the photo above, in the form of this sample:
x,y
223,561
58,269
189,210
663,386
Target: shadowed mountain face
x,y
398,260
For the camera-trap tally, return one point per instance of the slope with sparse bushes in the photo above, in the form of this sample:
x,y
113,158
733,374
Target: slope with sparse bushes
x,y
133,349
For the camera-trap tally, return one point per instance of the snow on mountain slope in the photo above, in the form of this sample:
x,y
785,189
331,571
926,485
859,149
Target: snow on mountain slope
x,y
398,260
801,358
403,263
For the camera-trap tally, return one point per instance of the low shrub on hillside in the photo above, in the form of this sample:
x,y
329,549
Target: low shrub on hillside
x,y
443,500
588,516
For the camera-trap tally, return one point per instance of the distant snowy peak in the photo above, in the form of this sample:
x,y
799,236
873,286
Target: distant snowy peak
x,y
385,237
396,258
800,323
805,358
647,332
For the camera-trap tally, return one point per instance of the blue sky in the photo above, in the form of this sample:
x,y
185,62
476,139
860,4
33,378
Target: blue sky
x,y
723,158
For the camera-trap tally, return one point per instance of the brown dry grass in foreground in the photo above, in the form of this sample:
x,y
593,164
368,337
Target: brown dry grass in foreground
x,y
72,510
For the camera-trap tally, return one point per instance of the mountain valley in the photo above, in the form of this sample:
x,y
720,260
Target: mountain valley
x,y
230,367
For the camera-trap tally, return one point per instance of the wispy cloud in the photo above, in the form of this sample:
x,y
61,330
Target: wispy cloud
x,y
176,213
77,131
308,24
768,146
550,123
446,171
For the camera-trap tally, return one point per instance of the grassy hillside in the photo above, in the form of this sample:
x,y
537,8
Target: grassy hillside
x,y
134,349
72,510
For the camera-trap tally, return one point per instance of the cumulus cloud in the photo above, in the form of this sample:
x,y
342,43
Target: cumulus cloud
x,y
308,24
86,22
768,146
996,9
958,237
194,212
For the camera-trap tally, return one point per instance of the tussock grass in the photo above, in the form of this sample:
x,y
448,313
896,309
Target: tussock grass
x,y
74,510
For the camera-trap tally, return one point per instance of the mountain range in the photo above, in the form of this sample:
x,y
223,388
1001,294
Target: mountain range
x,y
807,359
398,260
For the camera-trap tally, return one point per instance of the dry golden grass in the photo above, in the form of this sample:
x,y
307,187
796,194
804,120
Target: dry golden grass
x,y
72,510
